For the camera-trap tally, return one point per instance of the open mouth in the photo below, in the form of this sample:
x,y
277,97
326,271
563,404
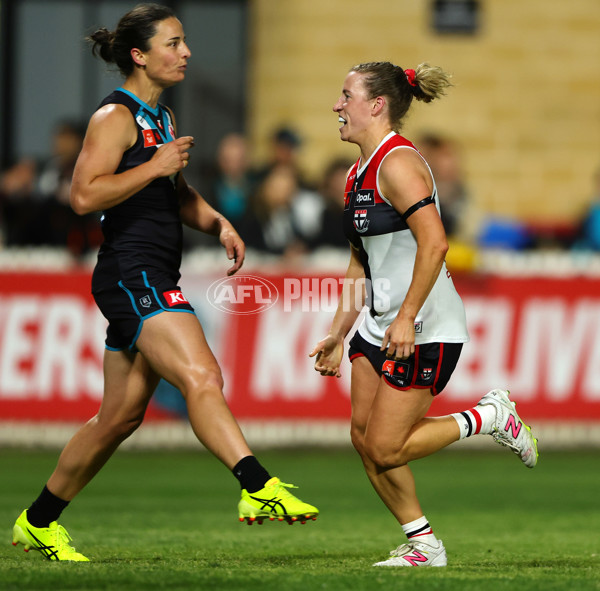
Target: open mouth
x,y
342,120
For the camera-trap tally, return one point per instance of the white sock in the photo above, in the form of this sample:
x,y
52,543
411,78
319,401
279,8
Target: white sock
x,y
487,412
419,530
475,420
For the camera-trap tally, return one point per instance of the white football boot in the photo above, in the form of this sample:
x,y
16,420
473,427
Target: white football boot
x,y
509,430
416,554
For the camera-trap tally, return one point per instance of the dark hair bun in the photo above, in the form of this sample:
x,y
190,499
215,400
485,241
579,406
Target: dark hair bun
x,y
102,46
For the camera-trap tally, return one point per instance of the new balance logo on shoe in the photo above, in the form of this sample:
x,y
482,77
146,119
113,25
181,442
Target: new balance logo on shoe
x,y
416,554
415,558
513,426
508,429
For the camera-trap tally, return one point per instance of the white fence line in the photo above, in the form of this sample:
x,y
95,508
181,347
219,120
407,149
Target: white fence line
x,y
177,435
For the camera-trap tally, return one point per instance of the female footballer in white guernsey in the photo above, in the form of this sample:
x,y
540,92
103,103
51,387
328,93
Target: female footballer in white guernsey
x,y
130,168
409,342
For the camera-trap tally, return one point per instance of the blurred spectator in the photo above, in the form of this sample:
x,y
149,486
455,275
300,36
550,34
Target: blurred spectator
x,y
36,198
504,233
271,222
54,180
460,216
226,185
285,150
588,235
332,187
18,180
229,188
16,186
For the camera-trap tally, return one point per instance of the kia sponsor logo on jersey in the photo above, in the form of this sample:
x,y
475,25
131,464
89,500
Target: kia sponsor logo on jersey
x,y
244,294
365,198
174,297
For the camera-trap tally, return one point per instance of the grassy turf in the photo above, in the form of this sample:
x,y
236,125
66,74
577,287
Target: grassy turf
x,y
168,520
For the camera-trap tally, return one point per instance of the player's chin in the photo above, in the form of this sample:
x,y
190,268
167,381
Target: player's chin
x,y
172,81
177,76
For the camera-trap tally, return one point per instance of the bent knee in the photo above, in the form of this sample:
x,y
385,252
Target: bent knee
x,y
383,454
202,381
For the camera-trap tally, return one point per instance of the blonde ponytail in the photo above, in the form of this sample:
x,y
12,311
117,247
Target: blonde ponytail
x,y
430,82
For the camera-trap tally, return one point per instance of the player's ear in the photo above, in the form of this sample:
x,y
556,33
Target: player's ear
x,y
138,57
379,103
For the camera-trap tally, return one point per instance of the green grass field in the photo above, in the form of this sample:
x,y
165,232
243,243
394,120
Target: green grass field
x,y
168,520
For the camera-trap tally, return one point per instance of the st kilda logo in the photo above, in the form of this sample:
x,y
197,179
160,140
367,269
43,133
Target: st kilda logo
x,y
361,221
244,294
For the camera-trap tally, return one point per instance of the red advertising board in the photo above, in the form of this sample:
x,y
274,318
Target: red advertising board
x,y
51,348
538,337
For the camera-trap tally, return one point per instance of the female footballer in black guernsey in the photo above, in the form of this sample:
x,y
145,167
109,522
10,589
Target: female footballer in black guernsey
x,y
130,169
409,342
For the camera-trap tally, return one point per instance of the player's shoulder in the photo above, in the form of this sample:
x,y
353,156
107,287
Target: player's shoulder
x,y
112,123
112,112
402,172
112,118
400,160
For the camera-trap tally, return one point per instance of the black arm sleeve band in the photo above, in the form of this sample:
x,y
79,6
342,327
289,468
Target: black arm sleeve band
x,y
417,206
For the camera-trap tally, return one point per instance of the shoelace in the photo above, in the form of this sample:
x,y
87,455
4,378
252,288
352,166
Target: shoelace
x,y
407,548
280,489
62,540
402,550
505,441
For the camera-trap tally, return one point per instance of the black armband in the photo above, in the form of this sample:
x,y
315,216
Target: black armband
x,y
417,206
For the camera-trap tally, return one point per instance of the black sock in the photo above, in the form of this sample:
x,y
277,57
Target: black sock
x,y
45,509
251,474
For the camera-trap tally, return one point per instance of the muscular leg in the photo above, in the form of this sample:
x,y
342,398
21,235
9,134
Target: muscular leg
x,y
398,431
385,432
175,344
175,347
128,386
395,486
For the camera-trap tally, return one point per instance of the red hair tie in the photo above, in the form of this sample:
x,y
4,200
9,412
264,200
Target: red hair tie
x,y
410,76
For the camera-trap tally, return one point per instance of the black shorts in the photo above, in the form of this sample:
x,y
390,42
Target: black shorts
x,y
129,302
430,366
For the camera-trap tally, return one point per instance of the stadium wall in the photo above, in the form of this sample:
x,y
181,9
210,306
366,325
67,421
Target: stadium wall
x,y
525,108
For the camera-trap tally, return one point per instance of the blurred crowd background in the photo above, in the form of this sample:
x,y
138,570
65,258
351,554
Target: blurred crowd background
x,y
514,147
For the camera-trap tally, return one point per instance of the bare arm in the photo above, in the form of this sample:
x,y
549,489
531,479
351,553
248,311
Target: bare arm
x,y
405,180
330,350
110,133
198,214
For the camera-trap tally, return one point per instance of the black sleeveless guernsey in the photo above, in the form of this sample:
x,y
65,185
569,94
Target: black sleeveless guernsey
x,y
143,234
